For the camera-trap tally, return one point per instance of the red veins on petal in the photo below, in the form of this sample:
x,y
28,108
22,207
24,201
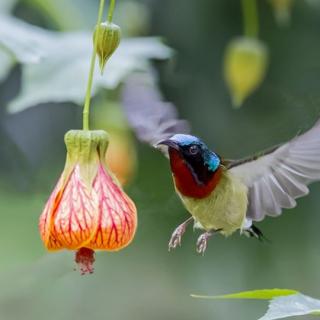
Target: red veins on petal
x,y
75,220
117,219
77,217
69,219
46,218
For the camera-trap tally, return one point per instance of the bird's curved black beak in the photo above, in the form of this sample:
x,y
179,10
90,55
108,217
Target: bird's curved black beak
x,y
168,142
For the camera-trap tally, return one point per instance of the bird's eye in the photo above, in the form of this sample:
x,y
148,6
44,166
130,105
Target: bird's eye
x,y
193,149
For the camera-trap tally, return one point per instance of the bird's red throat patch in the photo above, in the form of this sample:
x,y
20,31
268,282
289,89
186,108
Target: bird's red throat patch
x,y
186,182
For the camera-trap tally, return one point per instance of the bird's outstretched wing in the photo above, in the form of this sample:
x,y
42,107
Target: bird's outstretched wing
x,y
150,117
279,176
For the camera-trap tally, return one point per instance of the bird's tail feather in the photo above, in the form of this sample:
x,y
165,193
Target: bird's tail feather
x,y
255,232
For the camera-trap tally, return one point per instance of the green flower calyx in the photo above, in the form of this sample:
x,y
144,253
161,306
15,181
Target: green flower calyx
x,y
86,149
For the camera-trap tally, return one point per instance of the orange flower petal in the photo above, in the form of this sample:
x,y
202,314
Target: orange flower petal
x,y
75,219
46,218
117,218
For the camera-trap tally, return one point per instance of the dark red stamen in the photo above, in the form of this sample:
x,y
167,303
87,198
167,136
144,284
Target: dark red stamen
x,y
85,258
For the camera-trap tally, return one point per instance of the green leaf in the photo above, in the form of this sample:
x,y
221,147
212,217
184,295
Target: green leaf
x,y
6,63
264,294
284,303
25,42
67,15
62,75
55,65
6,59
290,306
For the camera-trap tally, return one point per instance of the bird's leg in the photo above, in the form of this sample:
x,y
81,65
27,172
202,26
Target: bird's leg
x,y
177,234
203,240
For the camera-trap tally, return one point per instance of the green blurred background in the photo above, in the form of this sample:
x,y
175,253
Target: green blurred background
x,y
145,281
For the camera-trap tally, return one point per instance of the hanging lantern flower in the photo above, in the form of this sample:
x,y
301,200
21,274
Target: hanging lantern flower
x,y
282,11
87,210
245,65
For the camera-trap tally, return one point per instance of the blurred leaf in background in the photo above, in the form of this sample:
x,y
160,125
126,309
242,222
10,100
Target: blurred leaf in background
x,y
282,11
284,303
121,154
7,5
64,15
55,65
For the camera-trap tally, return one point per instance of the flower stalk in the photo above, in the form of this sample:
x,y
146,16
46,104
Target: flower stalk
x,y
100,40
86,108
250,18
110,11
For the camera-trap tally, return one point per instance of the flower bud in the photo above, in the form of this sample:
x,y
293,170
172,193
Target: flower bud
x,y
109,35
245,64
282,10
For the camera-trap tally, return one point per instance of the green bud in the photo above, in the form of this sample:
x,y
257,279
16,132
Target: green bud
x,y
245,65
109,35
282,9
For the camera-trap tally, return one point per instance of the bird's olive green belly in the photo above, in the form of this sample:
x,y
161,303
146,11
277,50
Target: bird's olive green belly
x,y
225,208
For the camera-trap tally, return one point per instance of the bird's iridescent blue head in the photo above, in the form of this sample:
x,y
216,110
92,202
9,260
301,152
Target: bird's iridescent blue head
x,y
200,159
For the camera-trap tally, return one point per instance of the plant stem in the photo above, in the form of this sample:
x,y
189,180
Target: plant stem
x,y
111,9
86,107
250,18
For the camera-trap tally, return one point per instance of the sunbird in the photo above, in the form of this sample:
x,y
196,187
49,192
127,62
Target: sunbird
x,y
223,196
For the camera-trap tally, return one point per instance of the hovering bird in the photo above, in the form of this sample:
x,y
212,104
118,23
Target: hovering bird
x,y
223,196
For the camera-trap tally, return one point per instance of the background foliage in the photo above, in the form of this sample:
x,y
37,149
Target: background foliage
x,y
145,281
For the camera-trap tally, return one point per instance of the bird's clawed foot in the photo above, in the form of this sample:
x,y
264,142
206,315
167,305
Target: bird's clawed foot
x,y
202,242
177,234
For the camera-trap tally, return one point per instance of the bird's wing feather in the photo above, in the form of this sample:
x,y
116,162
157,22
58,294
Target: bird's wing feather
x,y
150,117
277,178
